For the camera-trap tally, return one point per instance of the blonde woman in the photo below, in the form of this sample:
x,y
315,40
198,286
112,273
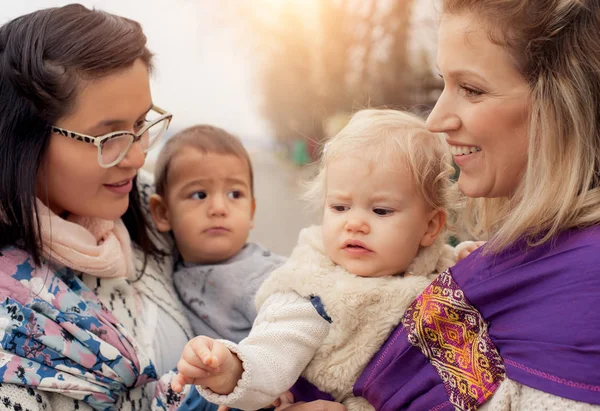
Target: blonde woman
x,y
515,325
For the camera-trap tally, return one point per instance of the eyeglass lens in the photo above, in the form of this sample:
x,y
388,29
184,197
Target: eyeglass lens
x,y
116,148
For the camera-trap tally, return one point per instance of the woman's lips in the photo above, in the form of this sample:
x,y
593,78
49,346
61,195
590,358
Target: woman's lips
x,y
123,187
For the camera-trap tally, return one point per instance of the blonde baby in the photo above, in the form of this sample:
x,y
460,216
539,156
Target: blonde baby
x,y
383,185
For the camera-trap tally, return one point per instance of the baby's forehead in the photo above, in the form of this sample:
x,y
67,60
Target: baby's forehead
x,y
371,161
193,164
349,174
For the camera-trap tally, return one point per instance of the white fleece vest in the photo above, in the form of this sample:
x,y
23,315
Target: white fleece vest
x,y
364,310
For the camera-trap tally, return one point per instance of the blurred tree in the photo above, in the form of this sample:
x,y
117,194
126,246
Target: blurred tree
x,y
320,58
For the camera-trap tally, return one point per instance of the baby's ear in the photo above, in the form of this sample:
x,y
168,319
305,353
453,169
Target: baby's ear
x,y
252,213
436,225
158,210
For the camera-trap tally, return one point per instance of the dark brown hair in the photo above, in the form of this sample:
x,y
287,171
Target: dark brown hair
x,y
43,57
208,139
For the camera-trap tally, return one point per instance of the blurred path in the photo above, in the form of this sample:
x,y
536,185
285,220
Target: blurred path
x,y
280,214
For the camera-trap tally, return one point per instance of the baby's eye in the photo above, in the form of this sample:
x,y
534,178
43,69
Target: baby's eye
x,y
198,195
339,208
235,194
382,211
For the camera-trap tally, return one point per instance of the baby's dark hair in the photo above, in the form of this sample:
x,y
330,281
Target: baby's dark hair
x,y
208,139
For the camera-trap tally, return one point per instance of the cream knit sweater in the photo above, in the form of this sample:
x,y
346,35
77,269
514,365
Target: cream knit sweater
x,y
364,311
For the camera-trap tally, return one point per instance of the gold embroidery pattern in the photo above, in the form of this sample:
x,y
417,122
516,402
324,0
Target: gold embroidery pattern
x,y
453,335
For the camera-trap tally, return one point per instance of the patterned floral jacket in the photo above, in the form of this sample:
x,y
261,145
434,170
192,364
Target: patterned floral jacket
x,y
77,342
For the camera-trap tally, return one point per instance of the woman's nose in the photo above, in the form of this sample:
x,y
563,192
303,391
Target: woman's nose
x,y
135,157
443,118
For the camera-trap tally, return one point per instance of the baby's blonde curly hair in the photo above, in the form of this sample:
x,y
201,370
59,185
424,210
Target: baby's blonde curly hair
x,y
388,137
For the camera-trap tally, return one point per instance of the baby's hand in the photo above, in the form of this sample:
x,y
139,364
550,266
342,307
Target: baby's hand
x,y
285,400
208,363
467,247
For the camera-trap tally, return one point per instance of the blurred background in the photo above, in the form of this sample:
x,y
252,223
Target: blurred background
x,y
282,75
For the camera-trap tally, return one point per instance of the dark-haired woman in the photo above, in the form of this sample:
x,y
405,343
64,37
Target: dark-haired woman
x,y
83,295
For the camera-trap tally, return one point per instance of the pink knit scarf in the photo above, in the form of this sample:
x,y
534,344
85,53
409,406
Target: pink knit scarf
x,y
97,247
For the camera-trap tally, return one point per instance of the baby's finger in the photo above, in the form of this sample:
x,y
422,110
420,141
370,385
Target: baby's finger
x,y
284,399
464,253
197,354
287,398
221,354
223,408
190,358
179,381
189,355
203,348
191,371
467,247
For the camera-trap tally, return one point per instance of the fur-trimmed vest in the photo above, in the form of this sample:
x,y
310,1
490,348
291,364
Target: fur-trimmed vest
x,y
363,310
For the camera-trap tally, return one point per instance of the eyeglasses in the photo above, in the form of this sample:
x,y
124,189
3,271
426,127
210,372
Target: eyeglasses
x,y
113,147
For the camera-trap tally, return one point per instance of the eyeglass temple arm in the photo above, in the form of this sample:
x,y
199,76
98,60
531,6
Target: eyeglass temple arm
x,y
159,110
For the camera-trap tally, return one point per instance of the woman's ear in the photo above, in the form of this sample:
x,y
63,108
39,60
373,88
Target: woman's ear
x,y
435,226
159,212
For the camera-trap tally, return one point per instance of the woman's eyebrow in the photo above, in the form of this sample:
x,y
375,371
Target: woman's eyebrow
x,y
461,73
111,122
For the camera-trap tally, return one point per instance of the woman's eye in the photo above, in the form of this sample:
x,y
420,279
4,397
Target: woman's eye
x,y
382,211
234,195
471,92
139,124
198,195
340,208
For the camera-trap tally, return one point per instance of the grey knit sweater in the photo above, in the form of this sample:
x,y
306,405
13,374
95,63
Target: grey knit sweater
x,y
219,298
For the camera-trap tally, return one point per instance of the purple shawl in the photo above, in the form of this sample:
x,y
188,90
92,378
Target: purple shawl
x,y
531,314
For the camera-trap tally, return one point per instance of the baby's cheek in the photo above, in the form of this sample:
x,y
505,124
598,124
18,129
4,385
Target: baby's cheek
x,y
328,244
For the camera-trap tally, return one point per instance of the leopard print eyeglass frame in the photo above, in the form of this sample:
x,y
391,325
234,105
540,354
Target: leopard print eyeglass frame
x,y
113,147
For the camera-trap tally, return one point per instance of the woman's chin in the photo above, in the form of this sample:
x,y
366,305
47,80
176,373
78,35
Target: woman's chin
x,y
471,187
113,210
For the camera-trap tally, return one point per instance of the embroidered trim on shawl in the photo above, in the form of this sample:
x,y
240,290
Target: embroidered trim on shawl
x,y
452,334
553,378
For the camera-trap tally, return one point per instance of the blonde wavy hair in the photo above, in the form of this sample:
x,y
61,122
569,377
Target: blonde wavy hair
x,y
388,137
554,45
